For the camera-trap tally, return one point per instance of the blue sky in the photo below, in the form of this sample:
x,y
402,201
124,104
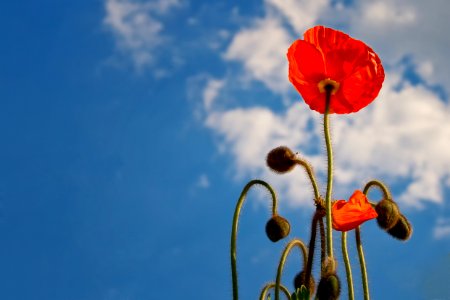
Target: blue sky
x,y
129,128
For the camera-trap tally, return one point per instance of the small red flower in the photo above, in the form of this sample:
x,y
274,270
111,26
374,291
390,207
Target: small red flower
x,y
331,57
349,215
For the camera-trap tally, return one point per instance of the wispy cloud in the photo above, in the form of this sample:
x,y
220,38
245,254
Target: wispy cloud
x,y
441,229
137,28
203,181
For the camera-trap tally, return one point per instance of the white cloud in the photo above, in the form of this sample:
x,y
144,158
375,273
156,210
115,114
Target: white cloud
x,y
262,51
441,229
211,91
403,135
413,28
402,138
136,27
301,14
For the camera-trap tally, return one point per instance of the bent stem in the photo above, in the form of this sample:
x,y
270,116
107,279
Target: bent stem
x,y
326,127
384,189
271,285
293,243
362,263
348,269
311,176
234,228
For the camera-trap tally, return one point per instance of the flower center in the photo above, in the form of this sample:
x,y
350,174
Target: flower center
x,y
328,85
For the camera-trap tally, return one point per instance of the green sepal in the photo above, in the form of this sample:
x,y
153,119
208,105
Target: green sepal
x,y
294,296
300,294
303,293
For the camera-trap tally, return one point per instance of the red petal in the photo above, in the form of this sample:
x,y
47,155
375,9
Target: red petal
x,y
341,58
349,215
306,69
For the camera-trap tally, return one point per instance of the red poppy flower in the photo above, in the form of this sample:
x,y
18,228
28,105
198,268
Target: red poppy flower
x,y
349,215
331,57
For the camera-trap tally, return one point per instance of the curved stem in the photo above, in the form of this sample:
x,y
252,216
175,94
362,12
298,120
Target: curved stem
x,y
293,243
326,127
380,185
362,263
348,269
271,285
311,176
234,228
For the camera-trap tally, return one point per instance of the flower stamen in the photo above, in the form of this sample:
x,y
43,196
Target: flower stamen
x,y
328,85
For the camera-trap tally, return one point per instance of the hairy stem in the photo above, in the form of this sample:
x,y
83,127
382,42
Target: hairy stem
x,y
326,127
312,246
348,269
380,185
234,228
287,249
362,263
322,241
311,176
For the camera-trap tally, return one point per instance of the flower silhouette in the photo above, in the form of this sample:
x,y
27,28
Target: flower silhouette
x,y
328,57
349,215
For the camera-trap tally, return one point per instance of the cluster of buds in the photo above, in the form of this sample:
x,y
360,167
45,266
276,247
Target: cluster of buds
x,y
390,219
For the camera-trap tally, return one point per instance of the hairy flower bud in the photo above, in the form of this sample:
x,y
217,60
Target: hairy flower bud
x,y
277,228
402,230
388,213
329,288
300,280
329,266
281,159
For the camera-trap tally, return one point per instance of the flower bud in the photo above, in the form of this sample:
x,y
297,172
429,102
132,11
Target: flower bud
x,y
329,288
329,266
281,159
300,280
277,228
402,230
388,213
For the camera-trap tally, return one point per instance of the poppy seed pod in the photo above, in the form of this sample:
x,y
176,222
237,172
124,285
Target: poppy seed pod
x,y
329,288
388,213
277,228
402,230
281,159
300,280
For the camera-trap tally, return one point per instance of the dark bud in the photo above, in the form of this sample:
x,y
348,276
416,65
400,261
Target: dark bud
x,y
388,214
281,159
402,230
300,280
277,228
329,288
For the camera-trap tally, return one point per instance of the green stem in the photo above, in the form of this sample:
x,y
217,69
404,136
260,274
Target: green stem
x,y
271,285
362,263
293,243
348,268
380,185
311,176
326,127
234,228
